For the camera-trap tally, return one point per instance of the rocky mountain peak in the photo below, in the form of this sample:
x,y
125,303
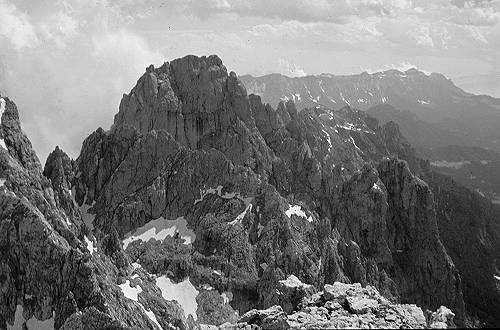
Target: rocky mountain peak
x,y
200,105
14,139
191,98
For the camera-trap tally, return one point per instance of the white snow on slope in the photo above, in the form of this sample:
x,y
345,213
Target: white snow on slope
x,y
208,191
218,191
354,143
159,229
242,215
227,296
297,210
329,140
90,245
130,292
151,316
376,187
184,292
2,109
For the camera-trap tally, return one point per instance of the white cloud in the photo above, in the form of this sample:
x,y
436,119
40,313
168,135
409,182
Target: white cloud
x,y
402,66
16,27
71,82
290,69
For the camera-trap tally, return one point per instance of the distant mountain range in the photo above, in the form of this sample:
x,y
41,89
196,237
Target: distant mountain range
x,y
445,124
455,114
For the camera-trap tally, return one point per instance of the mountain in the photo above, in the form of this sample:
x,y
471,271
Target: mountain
x,y
204,207
433,98
431,112
421,134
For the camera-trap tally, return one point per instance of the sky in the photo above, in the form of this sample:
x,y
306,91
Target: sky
x,y
67,63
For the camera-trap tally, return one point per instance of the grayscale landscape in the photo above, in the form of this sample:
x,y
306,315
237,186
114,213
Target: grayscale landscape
x,y
233,164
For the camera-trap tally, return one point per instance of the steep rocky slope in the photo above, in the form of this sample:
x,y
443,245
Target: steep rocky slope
x,y
200,201
470,230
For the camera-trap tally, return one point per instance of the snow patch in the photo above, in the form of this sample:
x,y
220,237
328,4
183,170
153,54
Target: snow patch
x,y
90,245
347,126
159,229
130,292
184,292
376,187
484,162
343,99
209,191
354,143
2,106
480,192
218,191
297,210
242,215
151,316
227,296
328,139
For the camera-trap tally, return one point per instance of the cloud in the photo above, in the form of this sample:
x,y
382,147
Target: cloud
x,y
403,66
289,69
16,28
71,80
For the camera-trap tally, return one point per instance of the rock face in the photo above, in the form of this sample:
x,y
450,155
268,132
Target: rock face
x,y
201,205
200,105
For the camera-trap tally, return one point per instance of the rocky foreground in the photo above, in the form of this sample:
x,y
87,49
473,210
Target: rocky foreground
x,y
340,306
